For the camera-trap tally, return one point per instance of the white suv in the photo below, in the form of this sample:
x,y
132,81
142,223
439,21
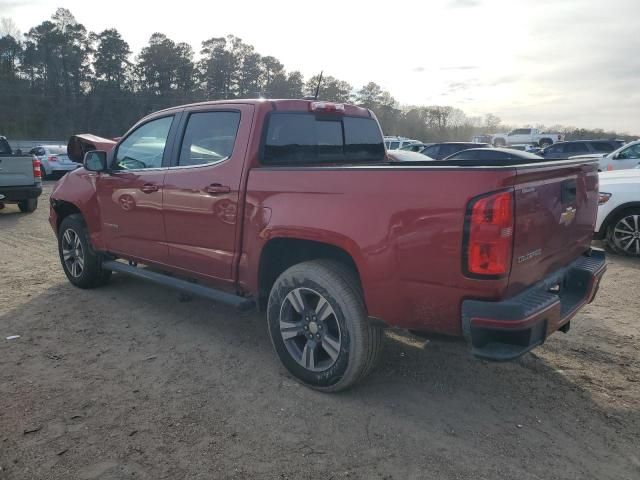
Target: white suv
x,y
618,220
627,156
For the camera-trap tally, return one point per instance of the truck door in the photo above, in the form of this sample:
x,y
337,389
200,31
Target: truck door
x,y
130,195
201,189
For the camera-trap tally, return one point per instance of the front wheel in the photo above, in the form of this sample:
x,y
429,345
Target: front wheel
x,y
28,206
623,233
499,143
81,264
319,327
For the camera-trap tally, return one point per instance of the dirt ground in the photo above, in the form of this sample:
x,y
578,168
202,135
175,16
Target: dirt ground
x,y
129,382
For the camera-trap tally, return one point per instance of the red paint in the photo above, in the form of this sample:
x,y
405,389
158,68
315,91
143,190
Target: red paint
x,y
402,225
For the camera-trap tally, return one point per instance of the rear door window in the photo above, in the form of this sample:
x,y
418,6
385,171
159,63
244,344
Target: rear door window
x,y
306,138
208,138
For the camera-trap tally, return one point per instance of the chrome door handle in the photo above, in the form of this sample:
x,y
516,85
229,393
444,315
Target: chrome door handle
x,y
217,189
149,188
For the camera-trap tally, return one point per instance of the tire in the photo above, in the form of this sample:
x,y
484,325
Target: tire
x,y
28,206
43,172
545,142
73,244
623,233
499,143
346,344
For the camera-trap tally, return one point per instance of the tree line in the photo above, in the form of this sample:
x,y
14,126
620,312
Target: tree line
x,y
59,78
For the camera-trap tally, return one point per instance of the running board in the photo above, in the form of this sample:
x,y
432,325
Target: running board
x,y
241,303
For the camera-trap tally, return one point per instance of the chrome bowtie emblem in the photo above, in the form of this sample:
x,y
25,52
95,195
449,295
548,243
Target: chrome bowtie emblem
x,y
567,216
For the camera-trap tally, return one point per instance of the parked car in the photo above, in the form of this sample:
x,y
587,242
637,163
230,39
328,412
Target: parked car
x,y
439,151
531,136
242,202
54,159
495,156
416,147
618,220
395,143
20,178
572,148
627,156
407,156
482,139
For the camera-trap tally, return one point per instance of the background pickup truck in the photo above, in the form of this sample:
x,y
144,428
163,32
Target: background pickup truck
x,y
529,136
20,178
292,206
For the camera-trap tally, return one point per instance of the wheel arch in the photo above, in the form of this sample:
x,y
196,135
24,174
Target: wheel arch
x,y
613,214
282,252
63,209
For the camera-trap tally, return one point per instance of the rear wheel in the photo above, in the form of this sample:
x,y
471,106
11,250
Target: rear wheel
x,y
499,142
623,233
81,264
29,205
43,172
319,327
545,142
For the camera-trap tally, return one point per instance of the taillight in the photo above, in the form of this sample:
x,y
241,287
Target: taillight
x,y
326,107
53,158
489,235
37,173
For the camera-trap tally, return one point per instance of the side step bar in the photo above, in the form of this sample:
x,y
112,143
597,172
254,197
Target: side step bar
x,y
241,303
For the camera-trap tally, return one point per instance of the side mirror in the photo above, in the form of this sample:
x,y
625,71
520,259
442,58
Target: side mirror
x,y
95,161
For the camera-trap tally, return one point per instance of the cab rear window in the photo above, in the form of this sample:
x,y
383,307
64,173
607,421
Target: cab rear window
x,y
307,138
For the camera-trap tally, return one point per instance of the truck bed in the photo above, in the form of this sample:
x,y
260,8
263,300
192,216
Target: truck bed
x,y
404,225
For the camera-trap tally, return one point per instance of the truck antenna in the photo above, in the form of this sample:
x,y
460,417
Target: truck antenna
x,y
318,87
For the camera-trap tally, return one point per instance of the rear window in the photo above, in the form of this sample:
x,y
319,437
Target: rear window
x,y
4,146
306,138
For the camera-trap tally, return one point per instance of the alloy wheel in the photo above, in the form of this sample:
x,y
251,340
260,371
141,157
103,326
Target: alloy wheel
x,y
310,329
626,234
72,253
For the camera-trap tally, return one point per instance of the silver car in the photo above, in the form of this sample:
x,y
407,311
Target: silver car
x,y
53,159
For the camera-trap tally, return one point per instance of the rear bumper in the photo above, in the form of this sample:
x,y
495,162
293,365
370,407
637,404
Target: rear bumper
x,y
507,329
18,194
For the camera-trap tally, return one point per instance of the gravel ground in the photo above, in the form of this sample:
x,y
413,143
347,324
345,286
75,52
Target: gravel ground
x,y
128,381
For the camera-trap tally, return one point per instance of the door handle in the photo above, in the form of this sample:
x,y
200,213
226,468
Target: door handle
x,y
149,188
217,189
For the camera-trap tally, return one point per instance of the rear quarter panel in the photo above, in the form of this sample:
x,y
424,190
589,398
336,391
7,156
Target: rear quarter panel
x,y
403,227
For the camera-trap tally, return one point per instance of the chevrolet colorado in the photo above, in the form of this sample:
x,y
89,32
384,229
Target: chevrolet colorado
x,y
20,178
292,206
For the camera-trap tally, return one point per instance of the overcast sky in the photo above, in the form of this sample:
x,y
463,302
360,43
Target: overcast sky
x,y
574,62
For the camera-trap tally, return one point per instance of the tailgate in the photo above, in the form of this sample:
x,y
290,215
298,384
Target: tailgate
x,y
16,171
555,211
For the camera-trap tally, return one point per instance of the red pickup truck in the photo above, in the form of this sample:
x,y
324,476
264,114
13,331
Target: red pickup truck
x,y
293,206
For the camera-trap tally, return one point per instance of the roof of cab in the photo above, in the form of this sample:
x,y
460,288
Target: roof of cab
x,y
292,105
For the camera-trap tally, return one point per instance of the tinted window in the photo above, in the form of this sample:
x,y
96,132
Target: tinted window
x,y
307,138
603,147
521,131
208,138
394,145
448,149
144,148
431,151
362,139
559,148
577,147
